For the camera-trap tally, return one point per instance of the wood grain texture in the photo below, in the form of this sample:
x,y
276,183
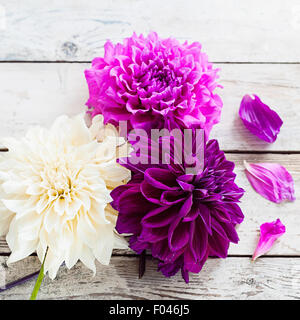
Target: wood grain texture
x,y
77,30
258,210
233,278
36,93
261,35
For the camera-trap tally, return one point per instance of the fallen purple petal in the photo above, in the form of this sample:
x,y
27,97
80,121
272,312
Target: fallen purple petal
x,y
271,180
259,119
269,233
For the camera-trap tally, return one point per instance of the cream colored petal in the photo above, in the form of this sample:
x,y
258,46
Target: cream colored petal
x,y
73,255
52,263
14,187
34,189
88,259
51,219
120,242
25,249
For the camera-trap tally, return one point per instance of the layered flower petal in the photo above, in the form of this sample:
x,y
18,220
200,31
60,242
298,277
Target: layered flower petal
x,y
271,180
55,192
259,118
269,233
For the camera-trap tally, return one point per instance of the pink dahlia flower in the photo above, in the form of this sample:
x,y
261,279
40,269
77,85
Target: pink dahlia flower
x,y
148,81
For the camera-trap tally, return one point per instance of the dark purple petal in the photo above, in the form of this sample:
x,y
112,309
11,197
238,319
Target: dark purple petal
x,y
178,234
205,215
151,193
172,197
161,179
259,119
186,206
168,269
198,239
138,246
218,245
159,217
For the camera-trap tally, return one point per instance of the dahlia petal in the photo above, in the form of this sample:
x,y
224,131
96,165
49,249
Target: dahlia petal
x,y
51,220
169,269
162,251
218,245
131,202
218,228
192,265
269,233
235,211
151,193
103,249
271,180
186,207
221,214
178,234
159,217
88,258
198,239
73,254
185,275
137,245
205,215
259,119
230,231
185,186
172,197
6,217
153,235
192,215
13,187
161,178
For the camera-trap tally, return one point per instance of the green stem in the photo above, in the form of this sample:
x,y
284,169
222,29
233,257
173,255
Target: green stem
x,y
39,280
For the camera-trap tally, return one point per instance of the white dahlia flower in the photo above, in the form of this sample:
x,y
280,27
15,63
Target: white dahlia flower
x,y
55,192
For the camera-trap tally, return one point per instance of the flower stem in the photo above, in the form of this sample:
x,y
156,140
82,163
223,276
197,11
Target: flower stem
x,y
19,281
142,264
39,280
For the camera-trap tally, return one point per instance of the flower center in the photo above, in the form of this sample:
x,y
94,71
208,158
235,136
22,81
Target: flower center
x,y
59,182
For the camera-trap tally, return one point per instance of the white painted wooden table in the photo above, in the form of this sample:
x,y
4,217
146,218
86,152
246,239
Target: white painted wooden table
x,y
46,45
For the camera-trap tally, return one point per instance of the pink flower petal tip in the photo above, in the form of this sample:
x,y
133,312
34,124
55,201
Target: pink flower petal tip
x,y
269,233
259,119
271,180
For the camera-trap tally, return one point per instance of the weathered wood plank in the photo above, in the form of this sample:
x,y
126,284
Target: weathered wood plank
x,y
77,30
233,278
258,210
36,93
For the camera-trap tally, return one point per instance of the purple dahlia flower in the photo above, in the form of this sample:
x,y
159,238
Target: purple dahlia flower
x,y
147,81
181,218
